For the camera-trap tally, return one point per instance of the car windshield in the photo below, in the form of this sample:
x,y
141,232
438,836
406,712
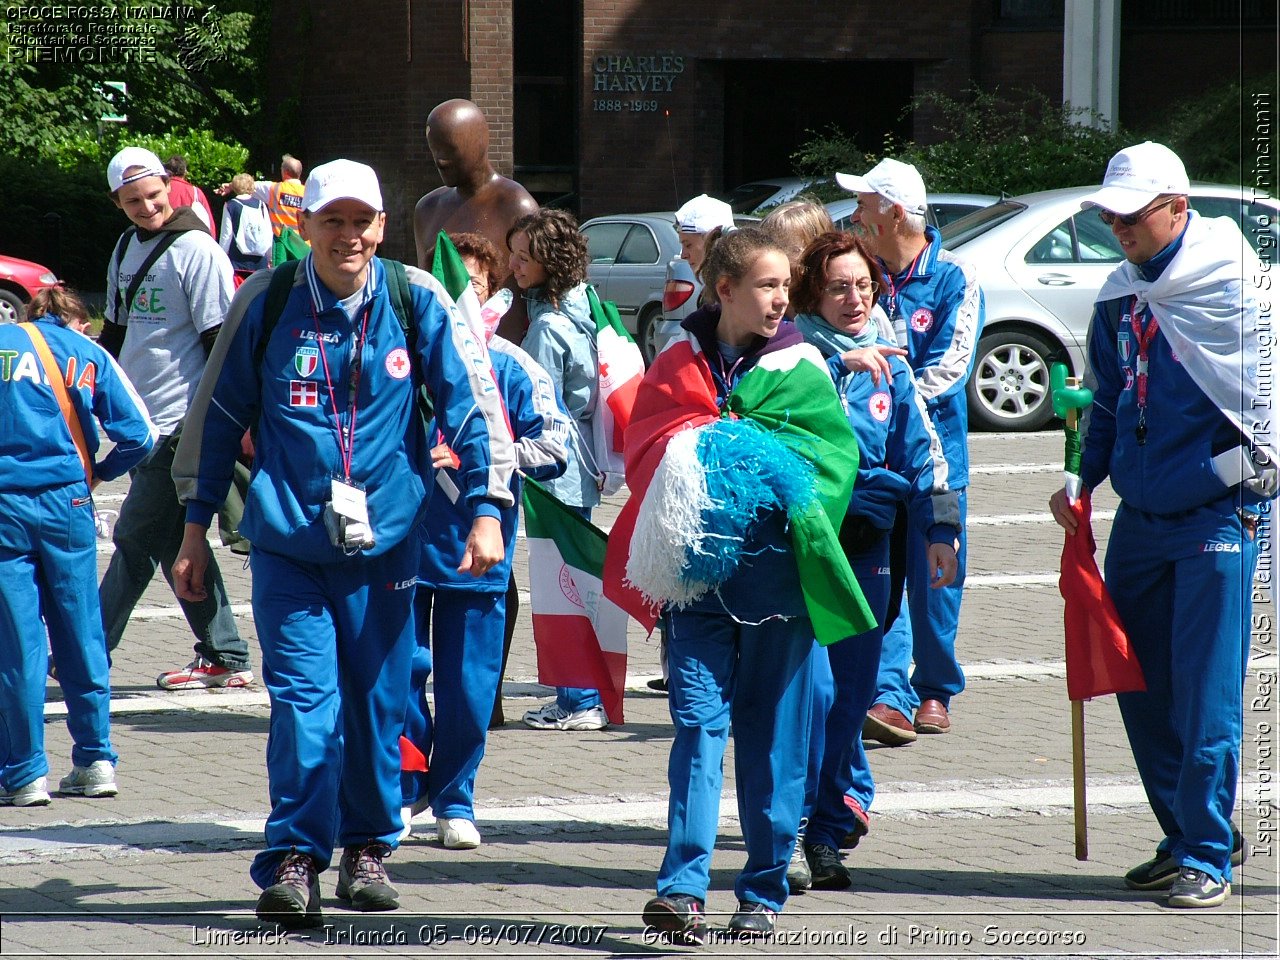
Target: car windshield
x,y
959,232
747,197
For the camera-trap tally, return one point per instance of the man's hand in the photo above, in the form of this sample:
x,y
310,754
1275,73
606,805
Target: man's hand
x,y
873,360
192,561
1062,511
484,547
943,565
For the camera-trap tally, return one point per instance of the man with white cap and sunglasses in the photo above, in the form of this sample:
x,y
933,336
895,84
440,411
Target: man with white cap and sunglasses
x,y
168,288
933,300
325,364
1182,427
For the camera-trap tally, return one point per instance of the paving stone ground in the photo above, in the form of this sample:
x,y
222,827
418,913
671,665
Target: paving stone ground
x,y
970,852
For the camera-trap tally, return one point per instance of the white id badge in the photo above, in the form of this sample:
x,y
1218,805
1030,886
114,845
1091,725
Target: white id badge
x,y
348,501
445,482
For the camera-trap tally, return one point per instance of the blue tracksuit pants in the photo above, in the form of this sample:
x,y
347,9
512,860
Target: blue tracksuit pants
x,y
459,638
843,766
1182,588
48,564
927,635
758,680
337,641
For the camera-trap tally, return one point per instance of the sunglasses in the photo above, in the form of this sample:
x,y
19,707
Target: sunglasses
x,y
1132,219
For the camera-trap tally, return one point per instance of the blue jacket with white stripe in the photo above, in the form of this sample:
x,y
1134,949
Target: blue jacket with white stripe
x,y
937,312
541,430
297,448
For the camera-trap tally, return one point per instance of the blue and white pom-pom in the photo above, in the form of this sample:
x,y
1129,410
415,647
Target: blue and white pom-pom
x,y
712,485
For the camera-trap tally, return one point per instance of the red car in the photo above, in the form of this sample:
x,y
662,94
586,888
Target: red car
x,y
20,280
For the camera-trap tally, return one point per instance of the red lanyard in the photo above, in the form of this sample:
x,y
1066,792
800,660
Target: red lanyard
x,y
1144,338
346,435
894,288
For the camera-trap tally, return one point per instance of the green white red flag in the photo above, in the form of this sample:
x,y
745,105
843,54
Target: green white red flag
x,y
620,367
581,637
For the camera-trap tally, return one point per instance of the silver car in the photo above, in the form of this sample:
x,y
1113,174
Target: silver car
x,y
628,256
1041,261
943,208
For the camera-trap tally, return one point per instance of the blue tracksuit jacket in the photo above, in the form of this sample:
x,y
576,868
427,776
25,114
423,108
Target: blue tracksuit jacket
x,y
35,452
541,430
937,310
297,439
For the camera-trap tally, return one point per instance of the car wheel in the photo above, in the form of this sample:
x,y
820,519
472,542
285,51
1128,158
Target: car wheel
x,y
647,332
11,307
1009,388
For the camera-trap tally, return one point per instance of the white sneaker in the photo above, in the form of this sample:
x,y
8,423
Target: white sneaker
x,y
457,834
552,717
33,794
96,780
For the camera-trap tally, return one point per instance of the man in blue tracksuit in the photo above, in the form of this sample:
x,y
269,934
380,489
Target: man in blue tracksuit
x,y
337,488
1181,427
48,561
937,309
461,618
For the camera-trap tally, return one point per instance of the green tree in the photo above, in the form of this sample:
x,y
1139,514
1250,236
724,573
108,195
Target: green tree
x,y
198,67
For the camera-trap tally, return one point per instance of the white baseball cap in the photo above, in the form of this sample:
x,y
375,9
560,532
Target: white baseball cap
x,y
1136,176
341,180
703,214
894,180
127,159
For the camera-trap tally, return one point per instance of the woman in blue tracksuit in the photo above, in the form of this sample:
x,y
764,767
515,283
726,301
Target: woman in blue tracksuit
x,y
549,263
47,546
460,619
900,461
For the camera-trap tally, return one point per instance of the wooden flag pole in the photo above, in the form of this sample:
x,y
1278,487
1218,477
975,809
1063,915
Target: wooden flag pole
x,y
1077,722
1077,773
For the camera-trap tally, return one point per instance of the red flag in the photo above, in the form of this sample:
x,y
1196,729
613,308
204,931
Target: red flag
x,y
1099,658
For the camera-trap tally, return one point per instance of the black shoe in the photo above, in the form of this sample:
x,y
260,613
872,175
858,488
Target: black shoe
x,y
680,915
753,919
362,879
658,683
293,901
1195,888
827,870
1161,871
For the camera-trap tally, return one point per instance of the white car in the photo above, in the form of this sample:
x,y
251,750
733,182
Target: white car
x,y
1041,261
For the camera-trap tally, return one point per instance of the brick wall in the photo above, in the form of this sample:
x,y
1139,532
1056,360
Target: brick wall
x,y
627,157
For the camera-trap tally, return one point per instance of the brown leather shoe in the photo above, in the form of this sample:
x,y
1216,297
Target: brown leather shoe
x,y
888,726
932,717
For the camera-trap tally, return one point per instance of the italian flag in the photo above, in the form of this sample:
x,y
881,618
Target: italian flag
x,y
620,367
448,268
581,636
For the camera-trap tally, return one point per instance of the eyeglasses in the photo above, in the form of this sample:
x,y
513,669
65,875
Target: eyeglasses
x,y
1132,219
839,289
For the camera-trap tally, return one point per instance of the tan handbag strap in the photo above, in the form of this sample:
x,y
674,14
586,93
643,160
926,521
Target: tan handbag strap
x,y
64,398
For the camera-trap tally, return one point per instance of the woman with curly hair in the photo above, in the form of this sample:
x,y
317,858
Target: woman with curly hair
x,y
549,263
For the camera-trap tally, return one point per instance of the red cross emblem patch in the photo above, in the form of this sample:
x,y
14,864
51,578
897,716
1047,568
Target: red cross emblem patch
x,y
398,363
879,405
304,393
922,320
